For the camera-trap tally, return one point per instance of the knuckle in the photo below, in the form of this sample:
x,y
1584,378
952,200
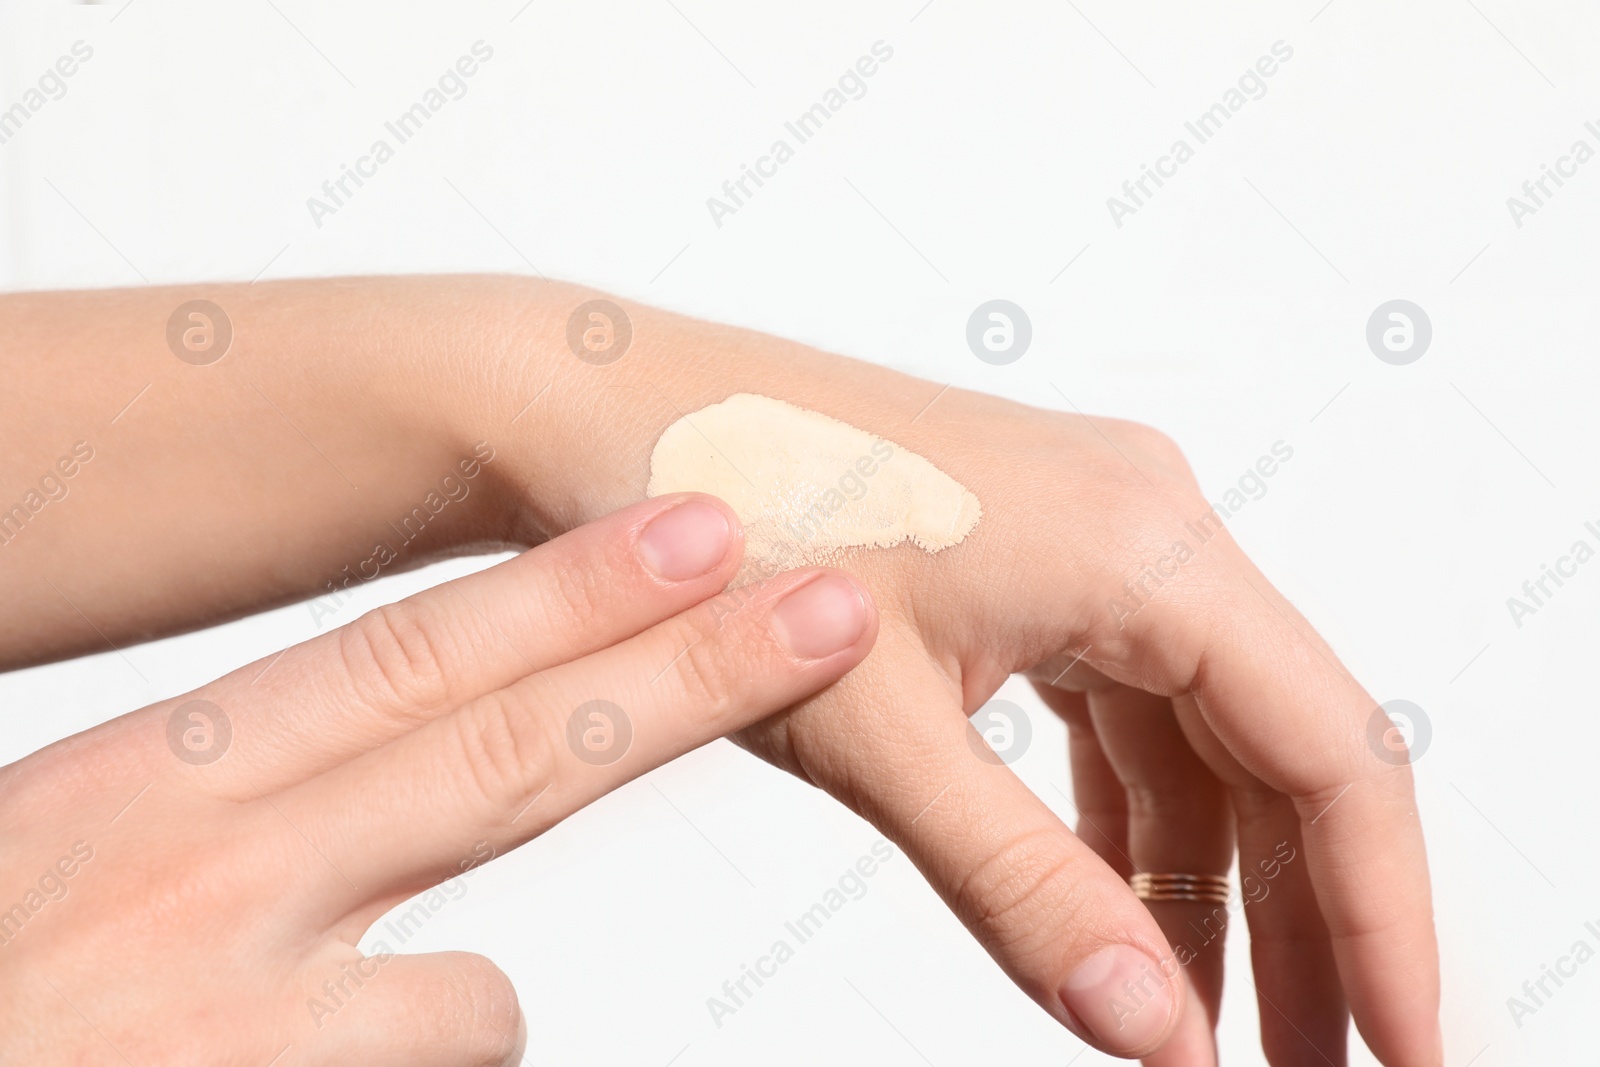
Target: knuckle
x,y
574,594
705,670
1255,801
1167,480
392,656
1177,806
1302,942
1155,444
1317,789
1019,900
490,1015
507,751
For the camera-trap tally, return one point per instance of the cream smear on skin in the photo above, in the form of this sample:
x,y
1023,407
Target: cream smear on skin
x,y
807,486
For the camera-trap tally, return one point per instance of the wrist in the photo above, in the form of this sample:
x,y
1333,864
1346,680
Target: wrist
x,y
577,426
571,435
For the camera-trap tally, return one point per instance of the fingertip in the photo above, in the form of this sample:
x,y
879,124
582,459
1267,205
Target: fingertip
x,y
824,616
519,1043
695,535
1121,1001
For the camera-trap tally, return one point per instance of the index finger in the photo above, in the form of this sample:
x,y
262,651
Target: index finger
x,y
325,701
509,765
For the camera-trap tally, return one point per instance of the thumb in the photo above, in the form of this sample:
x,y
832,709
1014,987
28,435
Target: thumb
x,y
441,1009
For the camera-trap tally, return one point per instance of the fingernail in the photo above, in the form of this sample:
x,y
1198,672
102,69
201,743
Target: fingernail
x,y
822,617
685,541
1120,998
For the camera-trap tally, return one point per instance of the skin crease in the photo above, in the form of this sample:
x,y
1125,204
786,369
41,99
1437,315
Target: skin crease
x,y
1072,509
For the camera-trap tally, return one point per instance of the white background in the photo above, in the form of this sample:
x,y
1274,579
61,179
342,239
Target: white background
x,y
1230,311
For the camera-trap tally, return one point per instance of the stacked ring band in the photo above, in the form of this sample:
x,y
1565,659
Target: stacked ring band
x,y
1208,888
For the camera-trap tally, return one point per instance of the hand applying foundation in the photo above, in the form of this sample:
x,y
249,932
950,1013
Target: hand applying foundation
x,y
201,897
1207,719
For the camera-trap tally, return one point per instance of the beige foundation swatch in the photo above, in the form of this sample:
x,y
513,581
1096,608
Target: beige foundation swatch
x,y
807,486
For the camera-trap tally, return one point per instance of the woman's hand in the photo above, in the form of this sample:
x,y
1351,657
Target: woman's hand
x,y
1204,714
187,884
1214,711
1074,557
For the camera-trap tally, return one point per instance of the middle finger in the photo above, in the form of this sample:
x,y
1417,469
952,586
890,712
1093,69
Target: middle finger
x,y
329,699
512,763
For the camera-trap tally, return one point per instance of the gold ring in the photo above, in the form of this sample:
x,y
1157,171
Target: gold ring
x,y
1207,888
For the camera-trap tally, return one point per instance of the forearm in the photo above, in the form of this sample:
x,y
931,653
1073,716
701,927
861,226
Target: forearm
x,y
142,494
327,446
1097,563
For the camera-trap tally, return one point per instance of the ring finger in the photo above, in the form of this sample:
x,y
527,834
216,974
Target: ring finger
x,y
1179,822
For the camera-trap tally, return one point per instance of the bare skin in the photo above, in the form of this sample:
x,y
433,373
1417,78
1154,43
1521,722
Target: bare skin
x,y
1210,718
201,899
